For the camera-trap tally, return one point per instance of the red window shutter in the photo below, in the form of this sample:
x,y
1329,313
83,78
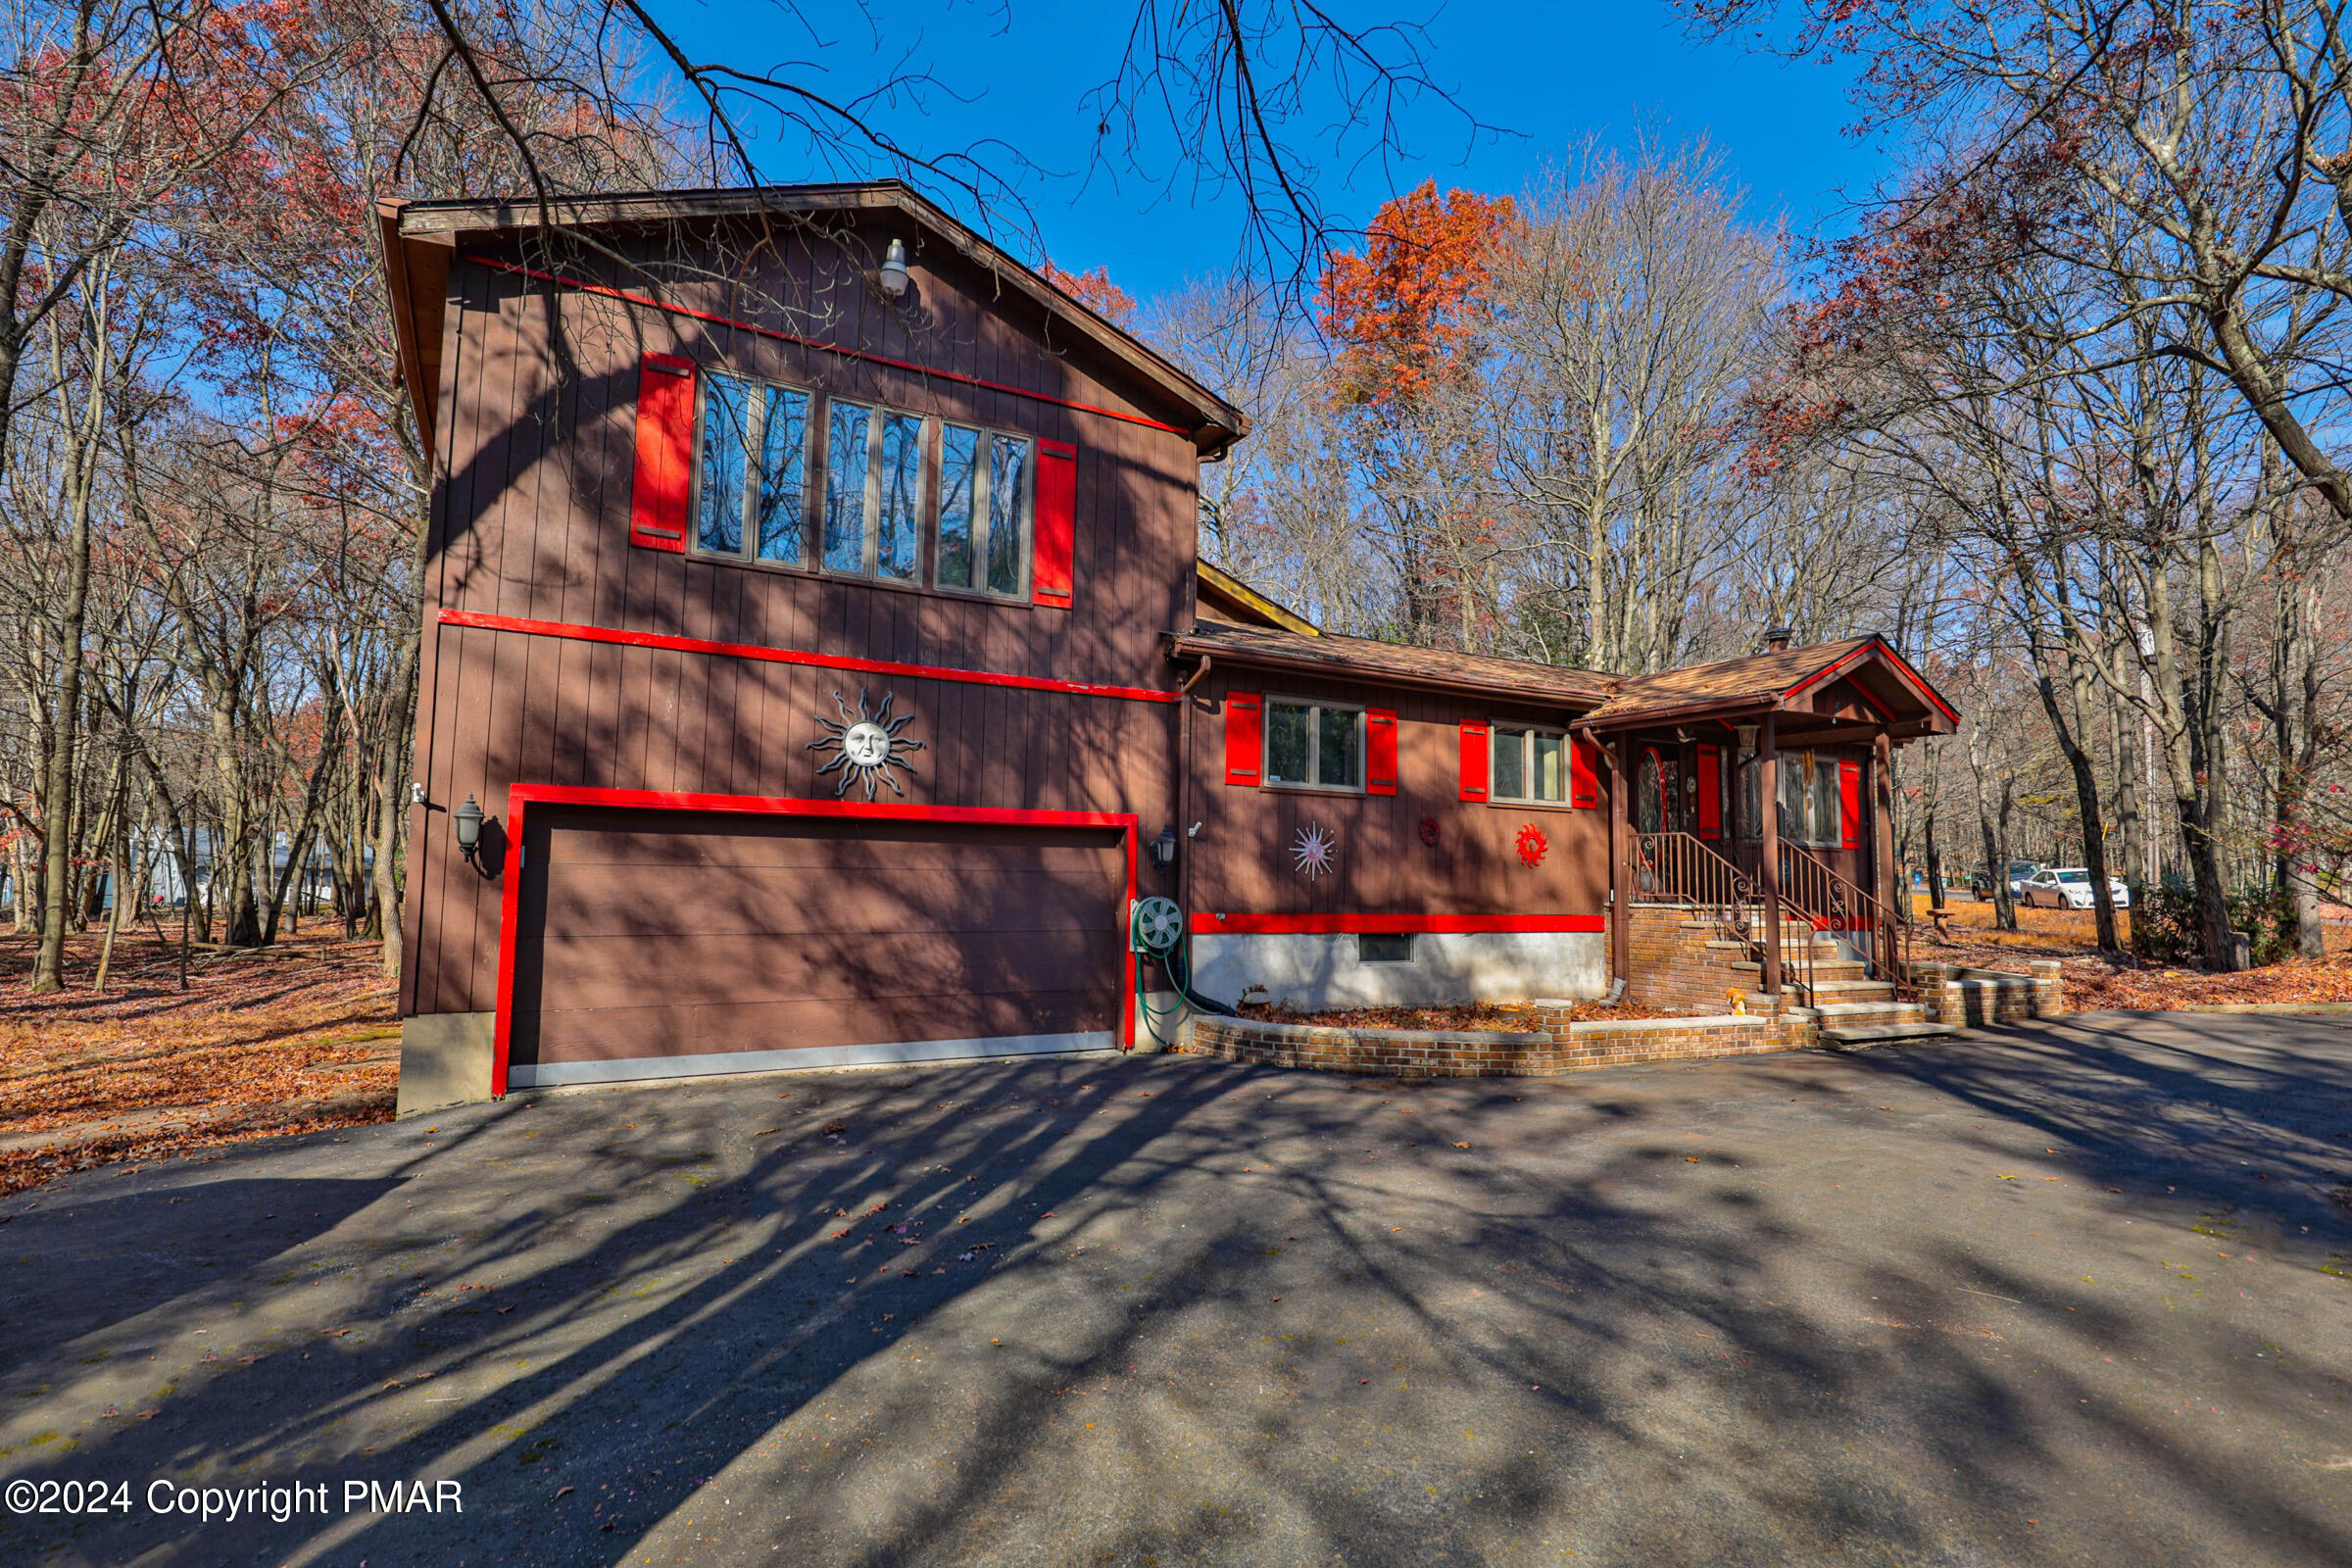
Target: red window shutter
x,y
1849,805
1710,793
1584,773
1380,751
661,489
1057,522
1244,739
1474,760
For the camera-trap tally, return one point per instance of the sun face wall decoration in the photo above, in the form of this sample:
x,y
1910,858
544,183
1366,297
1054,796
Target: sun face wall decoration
x,y
1532,845
1314,852
867,746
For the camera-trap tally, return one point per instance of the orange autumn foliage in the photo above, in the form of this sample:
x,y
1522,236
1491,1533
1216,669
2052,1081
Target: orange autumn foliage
x,y
1095,291
1402,312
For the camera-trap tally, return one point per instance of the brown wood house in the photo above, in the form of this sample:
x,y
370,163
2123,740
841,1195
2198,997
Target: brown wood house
x,y
815,632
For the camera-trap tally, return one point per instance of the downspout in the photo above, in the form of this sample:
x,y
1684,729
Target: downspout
x,y
1185,823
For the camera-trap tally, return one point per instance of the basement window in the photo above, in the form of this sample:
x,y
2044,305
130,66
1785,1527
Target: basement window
x,y
1385,947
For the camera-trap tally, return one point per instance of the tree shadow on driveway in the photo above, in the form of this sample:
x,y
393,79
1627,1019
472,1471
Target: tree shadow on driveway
x,y
1167,1311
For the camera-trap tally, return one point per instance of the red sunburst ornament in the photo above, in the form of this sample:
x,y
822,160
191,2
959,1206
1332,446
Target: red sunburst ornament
x,y
1532,845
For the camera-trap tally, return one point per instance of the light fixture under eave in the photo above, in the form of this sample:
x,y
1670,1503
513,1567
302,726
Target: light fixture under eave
x,y
893,275
1748,737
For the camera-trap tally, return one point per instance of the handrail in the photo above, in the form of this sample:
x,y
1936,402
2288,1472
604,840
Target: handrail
x,y
1833,903
1683,868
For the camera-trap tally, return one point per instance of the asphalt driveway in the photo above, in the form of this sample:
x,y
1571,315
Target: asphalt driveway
x,y
2080,1294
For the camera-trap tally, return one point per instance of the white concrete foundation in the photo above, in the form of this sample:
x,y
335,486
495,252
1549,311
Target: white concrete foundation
x,y
1323,971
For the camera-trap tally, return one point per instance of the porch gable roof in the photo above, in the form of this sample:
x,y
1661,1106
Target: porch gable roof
x,y
1762,683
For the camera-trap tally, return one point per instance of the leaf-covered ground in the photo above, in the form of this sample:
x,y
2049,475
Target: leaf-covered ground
x,y
292,1039
2091,981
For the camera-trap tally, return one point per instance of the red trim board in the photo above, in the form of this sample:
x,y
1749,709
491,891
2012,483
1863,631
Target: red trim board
x,y
819,344
521,796
1210,924
792,655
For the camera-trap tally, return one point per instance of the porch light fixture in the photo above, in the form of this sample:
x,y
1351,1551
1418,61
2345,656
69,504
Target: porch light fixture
x,y
467,820
1748,737
1164,849
893,277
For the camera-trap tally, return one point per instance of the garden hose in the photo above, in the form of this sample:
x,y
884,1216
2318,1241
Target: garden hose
x,y
1156,932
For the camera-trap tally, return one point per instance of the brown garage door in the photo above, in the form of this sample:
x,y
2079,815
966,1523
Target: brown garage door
x,y
650,943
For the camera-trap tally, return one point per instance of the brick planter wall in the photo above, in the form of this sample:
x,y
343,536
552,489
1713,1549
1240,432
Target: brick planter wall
x,y
1559,1047
1950,994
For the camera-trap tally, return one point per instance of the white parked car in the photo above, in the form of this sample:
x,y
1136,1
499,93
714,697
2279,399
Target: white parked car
x,y
2067,887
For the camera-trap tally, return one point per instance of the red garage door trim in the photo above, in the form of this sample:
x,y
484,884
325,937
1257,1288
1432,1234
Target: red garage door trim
x,y
521,796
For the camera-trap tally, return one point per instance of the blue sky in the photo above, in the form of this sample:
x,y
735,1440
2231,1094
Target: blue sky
x,y
1560,74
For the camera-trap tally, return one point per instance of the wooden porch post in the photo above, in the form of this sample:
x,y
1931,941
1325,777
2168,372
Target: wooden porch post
x,y
1890,877
1620,863
1768,769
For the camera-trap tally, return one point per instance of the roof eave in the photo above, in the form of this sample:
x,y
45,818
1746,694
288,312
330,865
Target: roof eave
x,y
1220,423
1338,668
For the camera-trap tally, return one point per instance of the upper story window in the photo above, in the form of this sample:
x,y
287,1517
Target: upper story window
x,y
858,501
1529,764
1314,744
751,498
985,504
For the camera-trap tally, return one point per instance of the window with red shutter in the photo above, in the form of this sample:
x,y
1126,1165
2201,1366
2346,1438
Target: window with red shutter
x,y
1849,805
1710,793
659,488
1474,760
1583,773
1244,739
1057,522
1380,751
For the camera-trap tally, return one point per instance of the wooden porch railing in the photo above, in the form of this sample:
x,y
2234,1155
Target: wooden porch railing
x,y
1683,868
1834,904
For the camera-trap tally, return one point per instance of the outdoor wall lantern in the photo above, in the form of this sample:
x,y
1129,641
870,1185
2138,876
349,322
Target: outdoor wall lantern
x,y
1164,849
893,270
1748,737
467,820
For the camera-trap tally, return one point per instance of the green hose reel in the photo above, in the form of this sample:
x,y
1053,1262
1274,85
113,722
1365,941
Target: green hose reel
x,y
1156,931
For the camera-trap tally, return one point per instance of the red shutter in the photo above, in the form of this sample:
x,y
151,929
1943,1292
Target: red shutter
x,y
1057,522
1379,751
663,485
1710,793
1244,739
1474,759
1584,773
1849,805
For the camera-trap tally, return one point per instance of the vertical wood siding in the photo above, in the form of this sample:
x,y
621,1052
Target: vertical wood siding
x,y
530,518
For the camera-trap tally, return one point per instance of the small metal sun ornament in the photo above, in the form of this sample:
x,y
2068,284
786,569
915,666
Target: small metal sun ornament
x,y
1314,852
866,745
1532,845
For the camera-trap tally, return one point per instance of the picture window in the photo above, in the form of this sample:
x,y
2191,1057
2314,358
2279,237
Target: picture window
x,y
756,471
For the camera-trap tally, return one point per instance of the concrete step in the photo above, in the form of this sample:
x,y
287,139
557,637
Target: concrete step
x,y
1826,970
1867,1014
1831,990
1860,1037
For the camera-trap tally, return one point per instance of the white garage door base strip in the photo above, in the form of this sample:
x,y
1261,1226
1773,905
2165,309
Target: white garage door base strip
x,y
546,1075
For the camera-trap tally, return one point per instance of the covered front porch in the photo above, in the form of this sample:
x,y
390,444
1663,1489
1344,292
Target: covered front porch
x,y
1757,794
